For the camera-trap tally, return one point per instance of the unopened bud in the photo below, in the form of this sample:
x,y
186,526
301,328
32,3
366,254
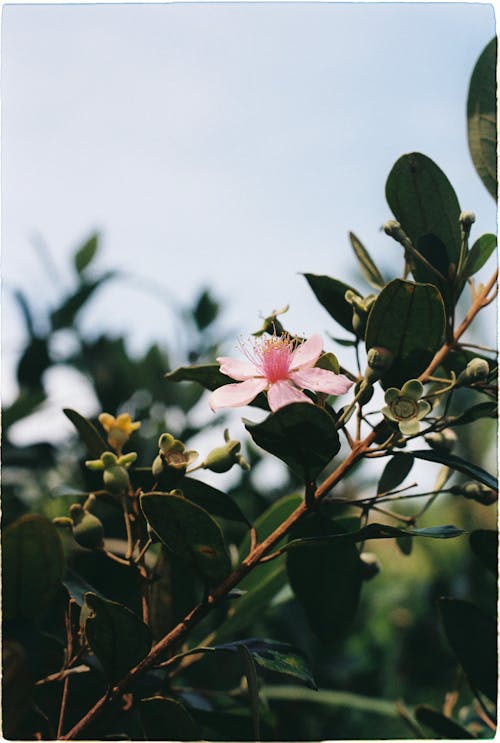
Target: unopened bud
x,y
222,458
116,479
467,219
444,440
367,392
380,358
394,230
87,528
476,491
477,370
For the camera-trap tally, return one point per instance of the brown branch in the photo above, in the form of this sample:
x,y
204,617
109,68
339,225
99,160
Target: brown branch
x,y
179,632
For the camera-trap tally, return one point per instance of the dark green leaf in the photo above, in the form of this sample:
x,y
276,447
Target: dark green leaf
x,y
479,254
212,500
344,342
205,311
433,252
77,586
331,294
395,471
332,698
302,435
34,361
482,117
366,263
281,658
409,320
32,565
473,638
250,672
190,532
26,312
88,433
167,719
423,200
24,405
85,255
484,543
326,579
405,544
65,315
209,376
439,723
459,464
476,412
116,635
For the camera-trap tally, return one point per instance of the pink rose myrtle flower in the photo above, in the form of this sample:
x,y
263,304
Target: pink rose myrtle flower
x,y
275,366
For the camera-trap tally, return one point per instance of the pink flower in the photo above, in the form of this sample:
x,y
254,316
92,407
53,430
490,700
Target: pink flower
x,y
275,366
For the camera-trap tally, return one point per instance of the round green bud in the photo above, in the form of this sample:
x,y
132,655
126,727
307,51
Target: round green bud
x,y
116,479
222,458
444,440
89,532
380,358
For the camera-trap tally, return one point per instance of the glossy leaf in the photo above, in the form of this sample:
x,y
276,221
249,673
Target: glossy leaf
x,y
330,293
484,544
423,200
164,718
326,579
409,320
475,413
116,635
212,500
395,471
366,263
479,254
87,432
32,565
302,435
459,464
473,638
282,659
86,254
209,376
190,532
443,726
482,117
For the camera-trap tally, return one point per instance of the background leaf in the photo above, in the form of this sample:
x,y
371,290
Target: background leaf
x,y
473,638
87,432
409,320
189,531
440,724
482,117
116,635
395,471
366,263
302,435
86,254
325,579
32,566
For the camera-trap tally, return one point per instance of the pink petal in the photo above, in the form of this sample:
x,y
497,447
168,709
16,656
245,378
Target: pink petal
x,y
321,380
237,368
308,353
235,395
283,393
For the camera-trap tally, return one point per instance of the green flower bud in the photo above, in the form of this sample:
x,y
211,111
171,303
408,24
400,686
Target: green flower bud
x,y
370,565
157,466
108,459
380,358
444,440
367,393
222,458
477,370
116,479
87,528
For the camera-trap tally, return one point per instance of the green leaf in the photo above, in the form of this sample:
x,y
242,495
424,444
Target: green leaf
x,y
409,320
85,255
405,544
366,263
423,200
88,433
250,672
484,544
330,293
212,500
482,117
164,718
209,376
459,464
280,658
32,565
26,403
331,698
473,638
395,471
116,635
479,254
65,315
190,532
325,579
205,311
77,586
476,412
302,435
443,726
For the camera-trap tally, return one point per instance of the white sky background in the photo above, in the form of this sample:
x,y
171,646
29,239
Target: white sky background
x,y
229,145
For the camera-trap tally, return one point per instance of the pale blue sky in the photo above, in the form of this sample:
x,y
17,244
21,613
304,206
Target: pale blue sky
x,y
233,145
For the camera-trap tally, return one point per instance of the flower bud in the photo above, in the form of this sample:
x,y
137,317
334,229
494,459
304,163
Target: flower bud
x,y
87,528
116,479
157,466
444,440
479,492
222,458
394,230
370,565
380,358
367,393
467,219
477,370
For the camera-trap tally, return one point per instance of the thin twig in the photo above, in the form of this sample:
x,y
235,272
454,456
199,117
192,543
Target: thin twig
x,y
69,653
